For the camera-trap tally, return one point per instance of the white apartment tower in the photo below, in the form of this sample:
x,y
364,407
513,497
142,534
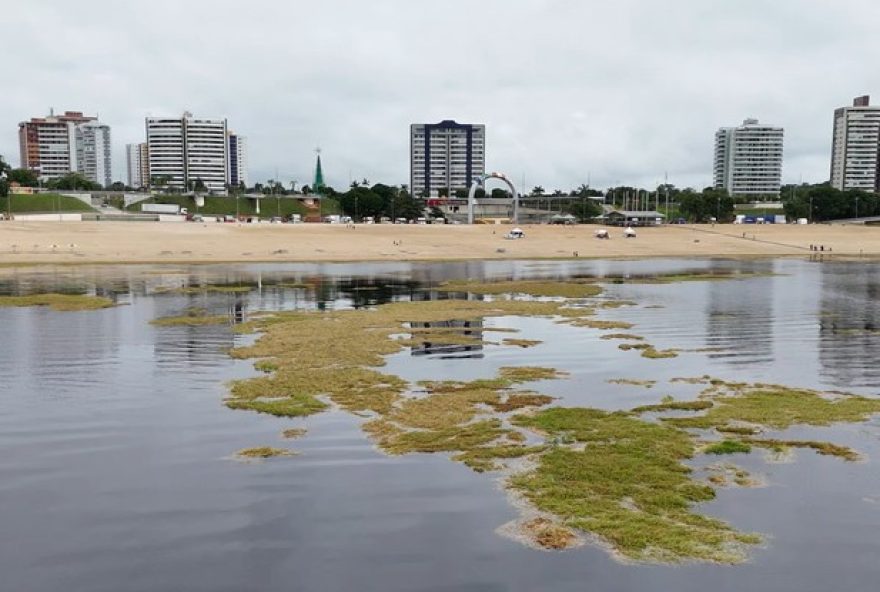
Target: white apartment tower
x,y
93,152
137,164
185,150
748,159
57,145
445,156
855,146
237,165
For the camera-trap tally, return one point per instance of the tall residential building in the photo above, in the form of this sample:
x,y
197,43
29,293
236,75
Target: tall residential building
x,y
93,152
855,146
237,167
445,155
748,159
56,145
184,150
137,161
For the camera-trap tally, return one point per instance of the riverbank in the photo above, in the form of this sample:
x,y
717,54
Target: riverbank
x,y
151,242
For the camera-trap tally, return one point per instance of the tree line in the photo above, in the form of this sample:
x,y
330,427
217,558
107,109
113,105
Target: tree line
x,y
822,202
817,203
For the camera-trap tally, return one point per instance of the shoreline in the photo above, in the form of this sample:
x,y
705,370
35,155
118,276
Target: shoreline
x,y
108,243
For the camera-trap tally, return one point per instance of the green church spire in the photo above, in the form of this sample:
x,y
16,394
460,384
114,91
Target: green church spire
x,y
319,174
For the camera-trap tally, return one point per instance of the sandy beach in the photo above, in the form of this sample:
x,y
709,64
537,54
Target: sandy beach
x,y
150,242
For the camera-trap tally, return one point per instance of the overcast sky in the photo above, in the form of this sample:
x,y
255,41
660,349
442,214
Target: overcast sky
x,y
570,91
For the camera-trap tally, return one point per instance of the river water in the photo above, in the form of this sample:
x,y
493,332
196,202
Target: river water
x,y
116,469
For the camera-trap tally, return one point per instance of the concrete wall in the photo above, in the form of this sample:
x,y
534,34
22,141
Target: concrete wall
x,y
47,217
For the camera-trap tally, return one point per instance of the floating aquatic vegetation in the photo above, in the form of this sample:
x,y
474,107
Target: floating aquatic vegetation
x,y
516,401
736,429
623,336
725,474
658,354
692,380
263,452
621,477
697,276
598,324
293,433
728,447
671,405
777,407
632,346
649,351
614,303
59,302
628,485
548,534
824,448
633,382
524,343
537,288
193,317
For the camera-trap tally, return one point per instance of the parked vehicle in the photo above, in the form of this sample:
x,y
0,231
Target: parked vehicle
x,y
154,208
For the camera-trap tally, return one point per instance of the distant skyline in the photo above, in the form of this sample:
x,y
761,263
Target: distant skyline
x,y
617,93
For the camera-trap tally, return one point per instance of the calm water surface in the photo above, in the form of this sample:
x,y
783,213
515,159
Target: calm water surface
x,y
115,469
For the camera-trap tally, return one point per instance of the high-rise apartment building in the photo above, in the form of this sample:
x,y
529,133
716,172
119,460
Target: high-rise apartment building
x,y
748,159
56,145
237,167
445,156
185,150
93,152
137,162
855,147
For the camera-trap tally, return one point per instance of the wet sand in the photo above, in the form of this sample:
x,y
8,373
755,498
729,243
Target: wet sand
x,y
143,242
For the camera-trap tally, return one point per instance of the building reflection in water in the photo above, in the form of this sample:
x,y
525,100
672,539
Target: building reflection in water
x,y
466,329
740,318
849,324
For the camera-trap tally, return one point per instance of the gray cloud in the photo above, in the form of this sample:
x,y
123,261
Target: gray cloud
x,y
569,90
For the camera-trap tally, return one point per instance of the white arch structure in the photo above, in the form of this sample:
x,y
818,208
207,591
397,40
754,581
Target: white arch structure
x,y
479,181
